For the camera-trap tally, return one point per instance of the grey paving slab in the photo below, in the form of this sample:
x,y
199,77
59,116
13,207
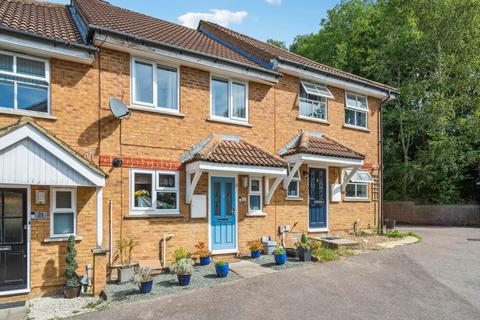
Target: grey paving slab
x,y
248,269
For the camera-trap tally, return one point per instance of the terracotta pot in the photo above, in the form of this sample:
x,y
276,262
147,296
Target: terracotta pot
x,y
72,292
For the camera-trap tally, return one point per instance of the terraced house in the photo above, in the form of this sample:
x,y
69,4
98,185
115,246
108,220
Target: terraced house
x,y
224,140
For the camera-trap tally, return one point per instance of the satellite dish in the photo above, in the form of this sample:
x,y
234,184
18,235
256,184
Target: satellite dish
x,y
119,109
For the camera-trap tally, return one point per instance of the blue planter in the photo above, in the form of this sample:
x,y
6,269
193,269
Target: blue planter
x,y
184,279
280,258
146,287
222,271
204,261
255,254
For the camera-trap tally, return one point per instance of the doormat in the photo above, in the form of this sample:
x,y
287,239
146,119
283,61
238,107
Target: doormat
x,y
12,305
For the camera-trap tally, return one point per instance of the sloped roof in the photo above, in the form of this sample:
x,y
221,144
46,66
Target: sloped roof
x,y
319,144
231,150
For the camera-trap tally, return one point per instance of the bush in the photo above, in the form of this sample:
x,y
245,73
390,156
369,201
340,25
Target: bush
x,y
182,266
395,234
124,249
303,243
72,279
324,254
279,251
180,253
201,250
220,263
142,275
254,245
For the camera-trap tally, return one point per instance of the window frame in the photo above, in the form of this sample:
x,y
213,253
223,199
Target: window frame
x,y
54,210
155,66
356,197
153,192
323,99
356,110
15,74
296,178
255,193
230,117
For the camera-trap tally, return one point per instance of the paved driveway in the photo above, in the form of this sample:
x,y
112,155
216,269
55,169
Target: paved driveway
x,y
436,279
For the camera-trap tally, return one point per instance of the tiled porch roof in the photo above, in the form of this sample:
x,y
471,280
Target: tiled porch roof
x,y
319,144
231,150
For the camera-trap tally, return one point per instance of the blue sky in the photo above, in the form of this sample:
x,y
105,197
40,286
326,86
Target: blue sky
x,y
261,19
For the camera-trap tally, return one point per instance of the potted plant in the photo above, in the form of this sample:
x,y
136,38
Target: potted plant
x,y
255,246
142,277
183,268
280,256
203,253
222,268
180,253
124,248
72,284
304,248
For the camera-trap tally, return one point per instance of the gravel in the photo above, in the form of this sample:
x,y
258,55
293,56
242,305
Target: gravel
x,y
56,307
268,261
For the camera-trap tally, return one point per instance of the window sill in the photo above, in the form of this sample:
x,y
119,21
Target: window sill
x,y
60,239
143,215
318,230
256,214
229,121
303,118
293,199
157,110
356,200
348,126
34,114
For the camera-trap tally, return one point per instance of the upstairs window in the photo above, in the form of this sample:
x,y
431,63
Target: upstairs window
x,y
154,85
24,83
356,110
313,100
229,99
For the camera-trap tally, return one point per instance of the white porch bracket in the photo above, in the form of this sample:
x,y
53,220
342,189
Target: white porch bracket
x,y
192,184
347,177
269,191
99,216
291,174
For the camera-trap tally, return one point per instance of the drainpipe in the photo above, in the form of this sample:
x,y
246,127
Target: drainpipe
x,y
381,141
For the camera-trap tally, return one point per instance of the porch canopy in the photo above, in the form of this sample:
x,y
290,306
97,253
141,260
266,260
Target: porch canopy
x,y
232,154
315,148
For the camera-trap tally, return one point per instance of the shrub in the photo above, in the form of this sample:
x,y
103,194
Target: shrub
x,y
324,254
254,245
395,234
72,279
303,243
279,250
180,253
220,263
201,250
182,266
124,249
142,275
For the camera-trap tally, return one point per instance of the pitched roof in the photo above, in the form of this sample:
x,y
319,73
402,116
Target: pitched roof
x,y
100,14
46,19
231,150
319,144
287,56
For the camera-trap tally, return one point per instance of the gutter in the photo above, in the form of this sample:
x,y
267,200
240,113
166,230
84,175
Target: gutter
x,y
381,147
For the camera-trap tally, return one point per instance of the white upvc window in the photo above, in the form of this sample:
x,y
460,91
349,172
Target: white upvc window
x,y
155,85
154,191
24,83
357,187
63,220
293,190
228,99
314,100
255,195
356,110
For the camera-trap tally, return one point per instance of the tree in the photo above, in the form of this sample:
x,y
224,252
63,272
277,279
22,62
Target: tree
x,y
429,50
277,43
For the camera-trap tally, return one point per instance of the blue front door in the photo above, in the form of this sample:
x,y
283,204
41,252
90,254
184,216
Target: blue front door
x,y
222,214
317,186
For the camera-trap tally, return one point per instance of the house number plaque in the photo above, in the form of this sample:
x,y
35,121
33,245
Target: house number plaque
x,y
39,215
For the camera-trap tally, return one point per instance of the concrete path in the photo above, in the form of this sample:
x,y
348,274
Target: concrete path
x,y
402,242
438,278
248,269
17,313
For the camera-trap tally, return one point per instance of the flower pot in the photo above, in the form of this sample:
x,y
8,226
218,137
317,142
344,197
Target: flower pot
x,y
222,271
72,292
255,254
304,254
146,287
125,274
184,279
280,258
204,261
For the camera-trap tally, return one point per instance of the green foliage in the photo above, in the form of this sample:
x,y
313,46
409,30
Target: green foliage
x,y
279,250
324,254
142,275
395,234
429,50
220,263
71,276
277,43
303,243
124,249
180,253
182,266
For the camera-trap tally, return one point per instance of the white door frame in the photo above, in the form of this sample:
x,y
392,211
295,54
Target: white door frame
x,y
326,167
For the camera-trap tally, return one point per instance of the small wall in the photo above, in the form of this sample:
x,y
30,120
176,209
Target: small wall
x,y
444,215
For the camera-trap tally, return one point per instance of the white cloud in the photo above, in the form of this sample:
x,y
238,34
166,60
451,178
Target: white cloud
x,y
273,1
221,17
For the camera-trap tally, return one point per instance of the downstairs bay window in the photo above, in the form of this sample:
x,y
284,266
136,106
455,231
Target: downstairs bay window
x,y
358,186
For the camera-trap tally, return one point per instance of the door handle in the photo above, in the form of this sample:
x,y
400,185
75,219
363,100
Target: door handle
x,y
5,248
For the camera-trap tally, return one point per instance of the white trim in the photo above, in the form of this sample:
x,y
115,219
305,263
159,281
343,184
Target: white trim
x,y
99,201
318,229
191,184
347,176
216,252
316,92
255,193
327,197
157,110
54,210
235,168
300,117
270,191
349,126
229,121
33,114
356,198
291,174
230,82
334,161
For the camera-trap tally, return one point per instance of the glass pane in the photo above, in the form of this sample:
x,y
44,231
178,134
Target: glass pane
x,y
143,189
306,107
63,223
216,199
293,189
362,102
32,98
362,119
351,100
239,92
7,94
255,203
63,199
255,185
143,82
13,204
350,190
13,230
166,200
6,62
220,98
362,191
31,67
167,88
166,180
350,117
228,199
319,110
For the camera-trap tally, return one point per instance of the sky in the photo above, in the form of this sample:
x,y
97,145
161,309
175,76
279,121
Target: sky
x,y
262,19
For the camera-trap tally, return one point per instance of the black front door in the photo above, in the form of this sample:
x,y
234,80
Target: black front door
x,y
13,239
317,190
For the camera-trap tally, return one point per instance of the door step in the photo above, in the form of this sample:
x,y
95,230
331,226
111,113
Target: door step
x,y
14,310
247,269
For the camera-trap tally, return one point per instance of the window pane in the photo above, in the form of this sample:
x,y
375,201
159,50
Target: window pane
x,y
228,199
7,94
239,92
166,180
255,203
350,117
220,98
32,98
13,230
166,200
216,199
63,223
350,190
167,88
319,110
362,102
255,185
63,199
351,100
143,189
362,119
13,204
292,189
362,191
143,82
6,62
306,107
31,67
